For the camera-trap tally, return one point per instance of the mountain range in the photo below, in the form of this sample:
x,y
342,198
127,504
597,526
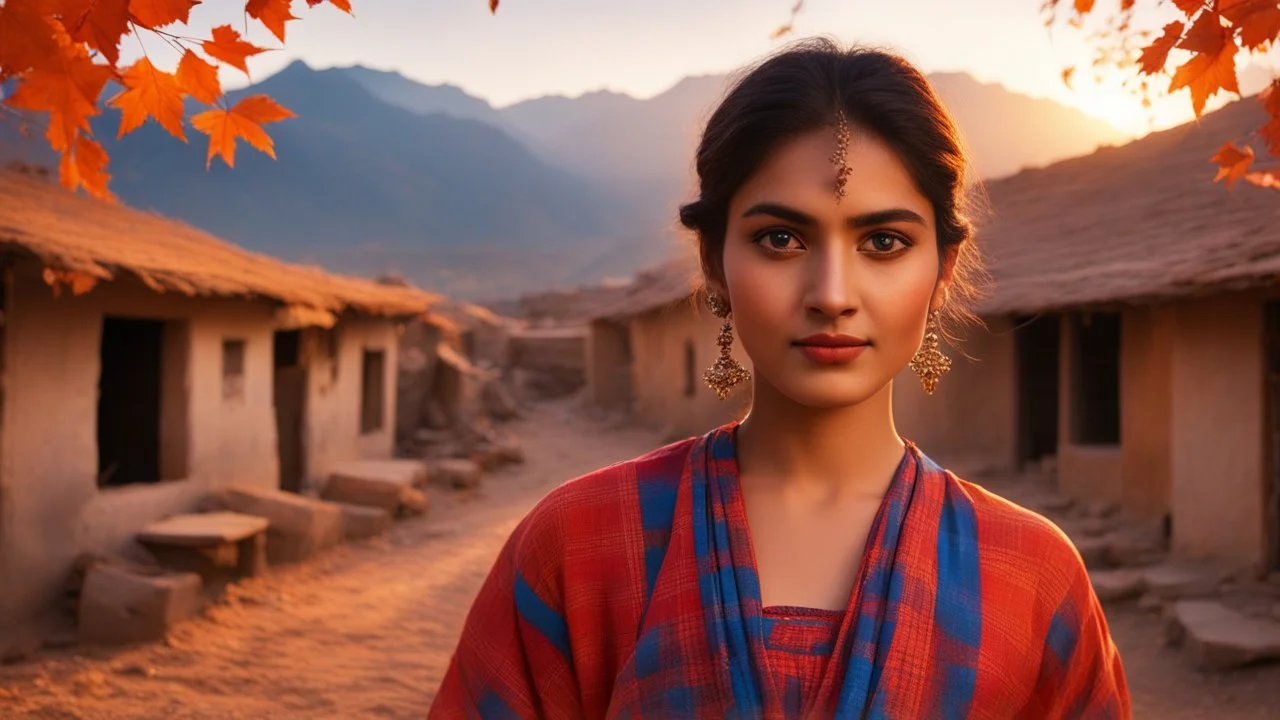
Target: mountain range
x,y
379,172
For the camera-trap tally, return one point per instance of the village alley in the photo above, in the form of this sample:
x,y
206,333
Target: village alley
x,y
367,630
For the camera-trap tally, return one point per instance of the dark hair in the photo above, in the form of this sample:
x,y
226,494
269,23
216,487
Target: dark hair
x,y
799,90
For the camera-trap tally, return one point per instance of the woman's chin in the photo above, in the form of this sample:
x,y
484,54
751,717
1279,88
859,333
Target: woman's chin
x,y
830,392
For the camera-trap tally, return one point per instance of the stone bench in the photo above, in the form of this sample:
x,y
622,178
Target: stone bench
x,y
209,543
390,485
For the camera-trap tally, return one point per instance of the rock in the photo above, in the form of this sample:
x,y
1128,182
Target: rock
x,y
1096,552
498,401
509,450
1095,527
1171,582
1221,638
414,502
1132,550
301,527
359,522
487,456
121,606
456,473
1101,509
1275,611
1116,585
1150,603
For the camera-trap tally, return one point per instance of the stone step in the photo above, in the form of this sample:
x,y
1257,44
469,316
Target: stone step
x,y
119,605
1117,585
301,527
385,484
1174,582
361,523
1221,638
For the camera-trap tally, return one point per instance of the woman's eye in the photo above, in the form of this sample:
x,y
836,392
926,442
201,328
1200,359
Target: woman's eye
x,y
885,243
779,240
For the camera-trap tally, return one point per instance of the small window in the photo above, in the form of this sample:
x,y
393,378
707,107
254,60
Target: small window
x,y
232,369
690,369
373,374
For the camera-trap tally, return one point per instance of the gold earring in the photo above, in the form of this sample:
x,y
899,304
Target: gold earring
x,y
929,362
726,373
840,157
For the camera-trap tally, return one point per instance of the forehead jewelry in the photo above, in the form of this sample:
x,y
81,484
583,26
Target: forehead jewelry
x,y
839,157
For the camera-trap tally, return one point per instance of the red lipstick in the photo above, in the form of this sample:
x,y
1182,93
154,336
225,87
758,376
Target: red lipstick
x,y
828,349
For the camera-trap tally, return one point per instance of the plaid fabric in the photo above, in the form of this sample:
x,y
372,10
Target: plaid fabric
x,y
629,593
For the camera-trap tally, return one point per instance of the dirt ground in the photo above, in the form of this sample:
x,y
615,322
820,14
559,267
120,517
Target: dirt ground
x,y
367,630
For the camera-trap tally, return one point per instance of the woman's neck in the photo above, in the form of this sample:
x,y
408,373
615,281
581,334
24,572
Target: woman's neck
x,y
848,450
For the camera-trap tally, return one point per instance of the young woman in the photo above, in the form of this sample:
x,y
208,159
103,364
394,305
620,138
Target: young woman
x,y
807,561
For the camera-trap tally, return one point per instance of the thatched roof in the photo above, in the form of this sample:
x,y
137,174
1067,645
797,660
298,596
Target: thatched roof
x,y
653,289
89,241
1137,223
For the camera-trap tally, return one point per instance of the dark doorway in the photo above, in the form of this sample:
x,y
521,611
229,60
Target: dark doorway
x,y
289,394
1037,339
129,397
1272,385
1096,375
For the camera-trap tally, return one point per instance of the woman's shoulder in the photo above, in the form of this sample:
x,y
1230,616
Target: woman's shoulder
x,y
606,498
1020,542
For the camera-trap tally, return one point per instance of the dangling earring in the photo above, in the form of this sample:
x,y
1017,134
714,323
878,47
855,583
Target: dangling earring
x,y
929,362
726,373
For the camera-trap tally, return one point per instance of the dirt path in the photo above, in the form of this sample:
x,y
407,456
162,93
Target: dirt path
x,y
367,631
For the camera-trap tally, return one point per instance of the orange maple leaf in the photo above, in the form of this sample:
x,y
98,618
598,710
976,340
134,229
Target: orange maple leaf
x,y
1233,163
1189,7
1067,73
26,39
100,24
1263,179
149,92
85,165
227,46
1258,20
343,5
154,14
245,121
1084,7
67,88
199,78
1213,66
1270,132
272,13
1156,54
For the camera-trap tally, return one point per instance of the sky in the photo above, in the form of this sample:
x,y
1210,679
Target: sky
x,y
531,48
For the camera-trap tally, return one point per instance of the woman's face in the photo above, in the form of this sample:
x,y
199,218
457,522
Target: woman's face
x,y
803,273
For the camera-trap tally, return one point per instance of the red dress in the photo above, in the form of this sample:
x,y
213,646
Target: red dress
x,y
632,592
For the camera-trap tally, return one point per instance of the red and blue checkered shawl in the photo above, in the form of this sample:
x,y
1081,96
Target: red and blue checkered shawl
x,y
632,592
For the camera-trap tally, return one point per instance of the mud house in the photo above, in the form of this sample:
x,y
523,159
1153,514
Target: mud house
x,y
146,363
647,347
1134,336
439,384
